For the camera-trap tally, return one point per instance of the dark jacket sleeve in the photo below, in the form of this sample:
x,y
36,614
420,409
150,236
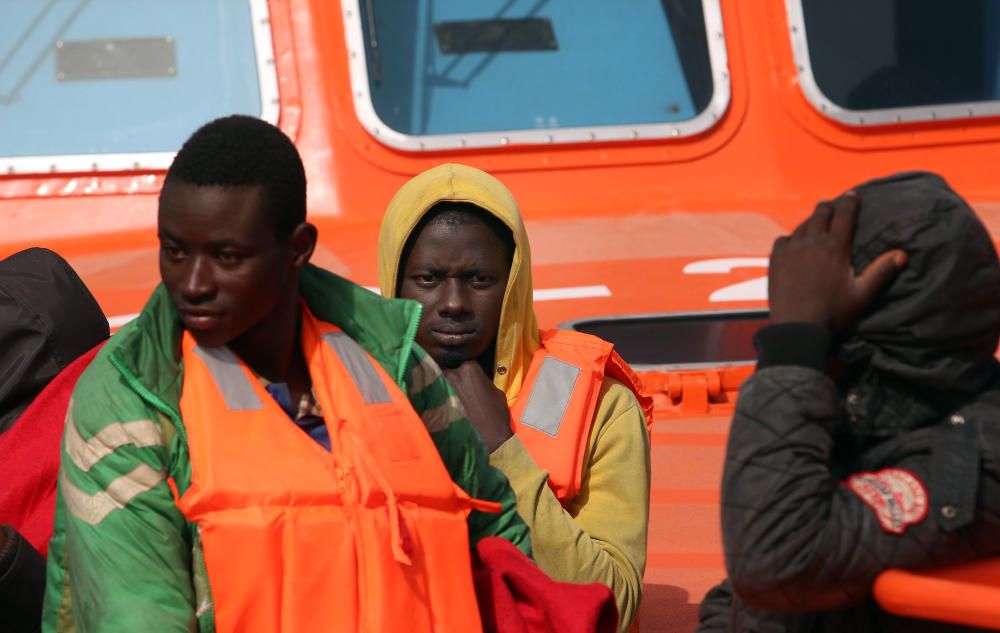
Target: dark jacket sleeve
x,y
715,609
22,584
796,538
722,612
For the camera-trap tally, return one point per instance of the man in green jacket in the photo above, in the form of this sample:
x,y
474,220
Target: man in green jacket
x,y
234,251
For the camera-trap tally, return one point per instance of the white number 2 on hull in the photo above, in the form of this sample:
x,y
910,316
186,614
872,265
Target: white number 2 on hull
x,y
749,290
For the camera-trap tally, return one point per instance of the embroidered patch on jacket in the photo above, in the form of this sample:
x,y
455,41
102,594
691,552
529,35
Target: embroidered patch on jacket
x,y
898,498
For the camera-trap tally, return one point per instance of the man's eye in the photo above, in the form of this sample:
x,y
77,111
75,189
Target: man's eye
x,y
229,258
171,251
482,280
426,280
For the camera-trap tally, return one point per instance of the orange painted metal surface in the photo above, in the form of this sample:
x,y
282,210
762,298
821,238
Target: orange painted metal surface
x,y
638,220
966,594
688,444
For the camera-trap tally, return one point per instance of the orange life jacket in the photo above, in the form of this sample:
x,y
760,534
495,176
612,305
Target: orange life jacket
x,y
370,536
554,411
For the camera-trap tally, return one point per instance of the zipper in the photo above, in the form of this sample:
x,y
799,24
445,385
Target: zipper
x,y
404,353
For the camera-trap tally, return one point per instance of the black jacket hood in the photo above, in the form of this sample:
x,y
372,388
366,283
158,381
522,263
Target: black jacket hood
x,y
49,318
929,339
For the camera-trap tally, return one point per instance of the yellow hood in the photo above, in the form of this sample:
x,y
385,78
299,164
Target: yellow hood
x,y
517,338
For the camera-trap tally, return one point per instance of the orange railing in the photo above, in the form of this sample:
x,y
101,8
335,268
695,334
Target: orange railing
x,y
966,594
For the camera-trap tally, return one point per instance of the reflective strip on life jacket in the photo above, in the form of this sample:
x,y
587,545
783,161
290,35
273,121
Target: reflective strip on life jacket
x,y
549,396
230,378
554,412
370,536
360,367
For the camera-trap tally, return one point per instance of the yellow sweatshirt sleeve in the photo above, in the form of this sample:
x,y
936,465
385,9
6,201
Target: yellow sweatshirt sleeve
x,y
601,535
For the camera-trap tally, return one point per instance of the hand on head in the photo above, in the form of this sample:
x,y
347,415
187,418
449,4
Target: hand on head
x,y
811,279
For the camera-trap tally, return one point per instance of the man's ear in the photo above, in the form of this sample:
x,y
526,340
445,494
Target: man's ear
x,y
302,244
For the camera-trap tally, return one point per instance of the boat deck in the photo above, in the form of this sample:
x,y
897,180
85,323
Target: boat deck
x,y
685,545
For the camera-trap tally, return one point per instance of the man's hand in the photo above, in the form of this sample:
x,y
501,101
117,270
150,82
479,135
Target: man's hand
x,y
485,405
811,279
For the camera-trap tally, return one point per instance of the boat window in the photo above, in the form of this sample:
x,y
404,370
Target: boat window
x,y
679,340
900,60
456,73
119,81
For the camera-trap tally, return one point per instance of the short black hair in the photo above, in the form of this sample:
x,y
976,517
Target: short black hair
x,y
455,213
240,150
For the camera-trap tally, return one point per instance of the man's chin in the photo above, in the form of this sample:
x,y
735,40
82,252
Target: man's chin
x,y
450,358
210,338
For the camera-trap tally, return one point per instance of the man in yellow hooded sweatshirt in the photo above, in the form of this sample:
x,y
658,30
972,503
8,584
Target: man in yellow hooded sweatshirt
x,y
561,413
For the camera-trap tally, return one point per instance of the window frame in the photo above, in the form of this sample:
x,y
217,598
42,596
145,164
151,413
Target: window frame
x,y
267,81
868,118
705,120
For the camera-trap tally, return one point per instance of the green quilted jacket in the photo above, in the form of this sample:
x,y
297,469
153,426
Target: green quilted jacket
x,y
122,556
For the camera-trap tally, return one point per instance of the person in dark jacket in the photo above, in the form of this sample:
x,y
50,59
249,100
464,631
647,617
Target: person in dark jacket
x,y
869,436
48,319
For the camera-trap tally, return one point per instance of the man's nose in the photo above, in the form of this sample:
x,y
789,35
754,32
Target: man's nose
x,y
455,300
199,280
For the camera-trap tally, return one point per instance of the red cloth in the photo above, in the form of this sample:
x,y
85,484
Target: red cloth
x,y
515,596
29,467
